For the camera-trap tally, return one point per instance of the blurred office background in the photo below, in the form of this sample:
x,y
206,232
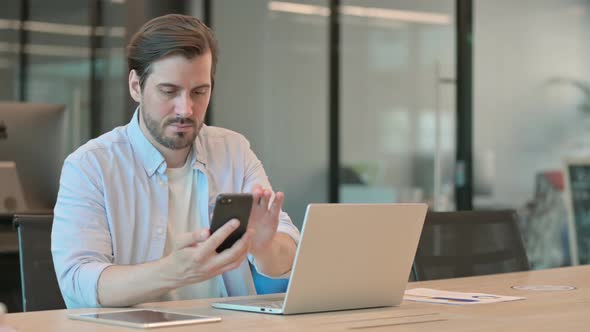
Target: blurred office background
x,y
351,100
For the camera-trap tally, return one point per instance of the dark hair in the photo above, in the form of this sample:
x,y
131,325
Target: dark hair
x,y
166,35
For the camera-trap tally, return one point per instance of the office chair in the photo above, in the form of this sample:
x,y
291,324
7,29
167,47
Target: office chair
x,y
469,243
40,290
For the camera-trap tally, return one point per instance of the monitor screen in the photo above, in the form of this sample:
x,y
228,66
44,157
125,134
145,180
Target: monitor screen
x,y
34,138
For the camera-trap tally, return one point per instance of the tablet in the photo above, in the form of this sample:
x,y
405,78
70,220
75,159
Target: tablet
x,y
143,318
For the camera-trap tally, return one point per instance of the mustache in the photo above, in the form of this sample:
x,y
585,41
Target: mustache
x,y
180,121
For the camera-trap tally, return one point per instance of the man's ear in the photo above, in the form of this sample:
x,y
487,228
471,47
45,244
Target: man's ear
x,y
134,87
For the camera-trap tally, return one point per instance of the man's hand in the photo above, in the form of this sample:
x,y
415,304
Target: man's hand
x,y
264,219
194,258
273,252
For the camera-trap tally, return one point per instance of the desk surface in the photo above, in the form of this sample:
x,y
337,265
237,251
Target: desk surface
x,y
541,311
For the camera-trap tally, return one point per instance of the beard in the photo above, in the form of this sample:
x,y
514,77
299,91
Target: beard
x,y
177,141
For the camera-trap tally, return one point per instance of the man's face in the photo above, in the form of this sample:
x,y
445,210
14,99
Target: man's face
x,y
174,99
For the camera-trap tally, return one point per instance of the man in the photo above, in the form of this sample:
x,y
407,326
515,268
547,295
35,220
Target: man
x,y
132,214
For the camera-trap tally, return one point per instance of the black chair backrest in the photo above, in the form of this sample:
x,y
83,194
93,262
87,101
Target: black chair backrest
x,y
40,289
469,243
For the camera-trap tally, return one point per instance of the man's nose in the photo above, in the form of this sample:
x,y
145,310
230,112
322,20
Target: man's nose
x,y
184,107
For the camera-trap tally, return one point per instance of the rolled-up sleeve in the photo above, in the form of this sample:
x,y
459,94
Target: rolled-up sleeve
x,y
255,174
80,239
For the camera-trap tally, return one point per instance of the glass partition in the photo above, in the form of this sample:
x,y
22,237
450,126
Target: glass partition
x,y
531,113
272,86
398,102
10,13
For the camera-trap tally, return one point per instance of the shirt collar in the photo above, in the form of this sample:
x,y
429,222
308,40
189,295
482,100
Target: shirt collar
x,y
151,159
199,154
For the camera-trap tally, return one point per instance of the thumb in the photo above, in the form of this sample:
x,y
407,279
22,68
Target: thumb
x,y
187,239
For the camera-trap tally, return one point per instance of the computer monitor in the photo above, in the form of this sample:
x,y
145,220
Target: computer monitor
x,y
34,137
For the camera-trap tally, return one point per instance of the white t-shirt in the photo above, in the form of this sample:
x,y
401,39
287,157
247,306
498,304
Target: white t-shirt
x,y
184,217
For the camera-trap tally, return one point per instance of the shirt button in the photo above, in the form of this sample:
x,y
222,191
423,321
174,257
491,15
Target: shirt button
x,y
160,231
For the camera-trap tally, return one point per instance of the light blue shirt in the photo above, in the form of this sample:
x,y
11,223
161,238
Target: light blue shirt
x,y
112,205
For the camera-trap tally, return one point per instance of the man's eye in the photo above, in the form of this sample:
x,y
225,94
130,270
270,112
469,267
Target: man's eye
x,y
200,92
168,92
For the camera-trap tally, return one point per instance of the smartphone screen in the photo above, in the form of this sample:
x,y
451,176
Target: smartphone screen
x,y
227,207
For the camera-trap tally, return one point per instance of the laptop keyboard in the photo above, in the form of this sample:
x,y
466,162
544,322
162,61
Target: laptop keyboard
x,y
268,304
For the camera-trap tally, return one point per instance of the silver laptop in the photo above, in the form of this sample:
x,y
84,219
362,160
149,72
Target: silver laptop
x,y
350,256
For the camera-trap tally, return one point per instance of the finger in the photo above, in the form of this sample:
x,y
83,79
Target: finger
x,y
234,253
256,195
266,195
203,235
235,264
239,247
257,190
217,238
228,267
271,199
232,256
277,203
187,239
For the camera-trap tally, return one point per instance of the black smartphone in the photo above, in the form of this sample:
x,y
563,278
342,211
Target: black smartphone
x,y
227,207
